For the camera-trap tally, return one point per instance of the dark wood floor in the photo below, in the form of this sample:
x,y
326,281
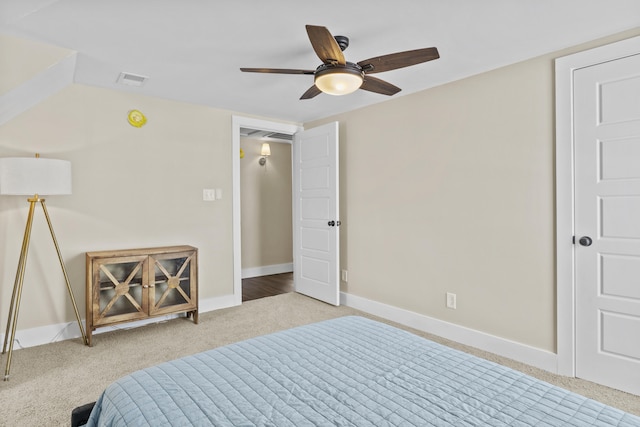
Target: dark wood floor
x,y
266,286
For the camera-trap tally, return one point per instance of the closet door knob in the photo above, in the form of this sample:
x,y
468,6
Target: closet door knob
x,y
585,241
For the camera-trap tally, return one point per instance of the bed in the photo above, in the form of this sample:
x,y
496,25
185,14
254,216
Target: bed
x,y
349,371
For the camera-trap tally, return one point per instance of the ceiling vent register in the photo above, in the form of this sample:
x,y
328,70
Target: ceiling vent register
x,y
132,79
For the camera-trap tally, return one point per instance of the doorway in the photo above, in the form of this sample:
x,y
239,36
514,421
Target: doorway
x,y
238,125
266,213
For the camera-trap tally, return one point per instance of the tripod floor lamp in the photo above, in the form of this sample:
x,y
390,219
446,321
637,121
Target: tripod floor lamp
x,y
34,177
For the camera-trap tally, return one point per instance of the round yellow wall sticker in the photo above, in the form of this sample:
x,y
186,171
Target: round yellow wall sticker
x,y
136,118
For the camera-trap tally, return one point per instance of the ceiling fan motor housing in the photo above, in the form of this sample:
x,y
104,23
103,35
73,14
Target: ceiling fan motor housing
x,y
343,42
349,67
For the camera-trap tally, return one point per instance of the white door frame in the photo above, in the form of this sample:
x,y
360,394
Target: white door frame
x,y
236,123
565,256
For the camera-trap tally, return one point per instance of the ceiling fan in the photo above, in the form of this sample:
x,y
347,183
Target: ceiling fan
x,y
336,76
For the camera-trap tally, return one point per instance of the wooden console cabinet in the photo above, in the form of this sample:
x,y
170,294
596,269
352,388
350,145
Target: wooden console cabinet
x,y
136,284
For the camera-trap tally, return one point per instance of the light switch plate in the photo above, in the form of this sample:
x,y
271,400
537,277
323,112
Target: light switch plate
x,y
208,194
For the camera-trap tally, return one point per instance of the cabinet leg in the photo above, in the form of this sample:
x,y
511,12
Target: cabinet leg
x,y
194,316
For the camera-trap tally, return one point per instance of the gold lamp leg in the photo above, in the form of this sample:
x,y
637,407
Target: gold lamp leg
x,y
12,321
64,271
14,308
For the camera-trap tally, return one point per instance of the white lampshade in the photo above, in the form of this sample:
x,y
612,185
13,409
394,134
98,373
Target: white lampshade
x,y
28,176
266,149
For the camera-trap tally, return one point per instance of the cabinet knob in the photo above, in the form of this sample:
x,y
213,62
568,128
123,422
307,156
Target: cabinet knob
x,y
145,286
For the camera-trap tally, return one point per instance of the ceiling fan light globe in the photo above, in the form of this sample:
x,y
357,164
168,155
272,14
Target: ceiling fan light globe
x,y
338,81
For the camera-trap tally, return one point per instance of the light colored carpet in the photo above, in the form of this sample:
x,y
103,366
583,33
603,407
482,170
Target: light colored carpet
x,y
48,381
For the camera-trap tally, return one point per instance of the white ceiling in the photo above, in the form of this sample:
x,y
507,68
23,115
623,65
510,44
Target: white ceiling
x,y
192,50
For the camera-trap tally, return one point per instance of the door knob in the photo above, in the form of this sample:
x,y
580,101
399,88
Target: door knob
x,y
585,241
332,223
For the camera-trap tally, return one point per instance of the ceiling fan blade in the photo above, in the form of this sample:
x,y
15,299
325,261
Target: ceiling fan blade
x,y
311,92
376,85
397,60
325,45
276,70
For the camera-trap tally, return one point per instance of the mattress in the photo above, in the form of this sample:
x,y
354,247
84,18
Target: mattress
x,y
349,371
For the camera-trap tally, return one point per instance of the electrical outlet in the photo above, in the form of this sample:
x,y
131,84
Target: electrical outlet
x,y
345,276
208,194
451,300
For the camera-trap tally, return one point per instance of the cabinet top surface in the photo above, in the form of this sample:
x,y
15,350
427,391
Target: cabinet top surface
x,y
141,251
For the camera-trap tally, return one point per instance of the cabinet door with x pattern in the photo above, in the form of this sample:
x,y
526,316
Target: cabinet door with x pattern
x,y
120,290
172,284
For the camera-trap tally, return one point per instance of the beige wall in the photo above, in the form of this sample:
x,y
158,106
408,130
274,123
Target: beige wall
x,y
447,190
132,187
266,205
452,190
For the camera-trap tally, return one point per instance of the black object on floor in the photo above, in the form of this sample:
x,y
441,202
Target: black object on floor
x,y
80,415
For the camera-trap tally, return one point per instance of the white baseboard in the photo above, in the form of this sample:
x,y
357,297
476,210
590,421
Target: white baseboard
x,y
267,270
63,331
503,347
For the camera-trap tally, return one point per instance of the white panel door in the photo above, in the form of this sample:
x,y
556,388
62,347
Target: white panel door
x,y
316,232
607,223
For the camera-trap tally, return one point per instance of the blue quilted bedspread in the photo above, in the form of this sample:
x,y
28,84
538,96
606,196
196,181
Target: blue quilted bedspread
x,y
349,371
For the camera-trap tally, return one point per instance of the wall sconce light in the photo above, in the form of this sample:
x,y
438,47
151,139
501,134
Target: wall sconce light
x,y
264,152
